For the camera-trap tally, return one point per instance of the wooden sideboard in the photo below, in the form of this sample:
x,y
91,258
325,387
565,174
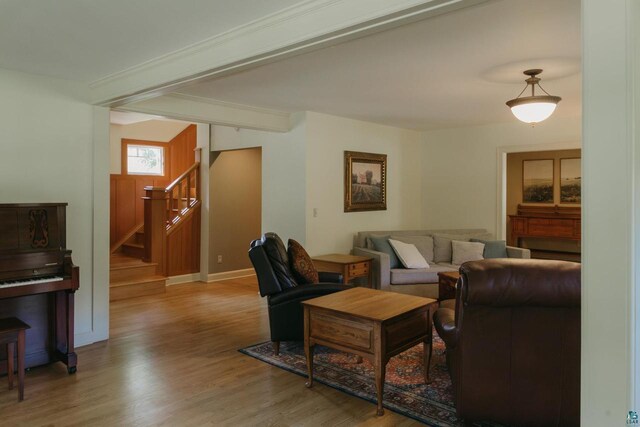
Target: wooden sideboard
x,y
546,222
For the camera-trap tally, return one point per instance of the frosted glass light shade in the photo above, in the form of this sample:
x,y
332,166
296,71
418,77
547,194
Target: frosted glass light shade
x,y
533,109
534,112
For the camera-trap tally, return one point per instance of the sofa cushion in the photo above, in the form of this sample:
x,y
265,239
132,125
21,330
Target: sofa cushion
x,y
442,244
424,244
408,254
462,252
301,264
493,248
411,276
381,244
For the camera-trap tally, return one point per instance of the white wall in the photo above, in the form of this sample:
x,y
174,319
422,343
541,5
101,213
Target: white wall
x,y
460,168
150,130
304,169
46,137
328,137
283,173
610,364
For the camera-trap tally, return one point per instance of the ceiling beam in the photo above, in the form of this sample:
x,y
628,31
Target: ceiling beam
x,y
306,26
207,110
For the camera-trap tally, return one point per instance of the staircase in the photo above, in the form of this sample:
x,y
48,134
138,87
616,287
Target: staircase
x,y
138,264
131,277
134,246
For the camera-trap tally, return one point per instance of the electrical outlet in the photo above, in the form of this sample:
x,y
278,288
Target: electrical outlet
x,y
219,259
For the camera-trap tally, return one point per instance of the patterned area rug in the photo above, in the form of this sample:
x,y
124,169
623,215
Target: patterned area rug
x,y
404,390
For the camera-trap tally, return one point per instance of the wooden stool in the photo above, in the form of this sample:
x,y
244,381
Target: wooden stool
x,y
12,331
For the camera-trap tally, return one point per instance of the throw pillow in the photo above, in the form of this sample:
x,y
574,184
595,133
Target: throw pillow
x,y
408,254
424,244
301,264
462,252
493,248
381,244
442,243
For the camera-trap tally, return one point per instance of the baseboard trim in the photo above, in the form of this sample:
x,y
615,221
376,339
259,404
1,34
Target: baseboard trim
x,y
85,338
216,277
183,278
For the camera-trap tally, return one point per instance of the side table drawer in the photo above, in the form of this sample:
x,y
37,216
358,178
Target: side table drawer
x,y
342,330
402,332
359,269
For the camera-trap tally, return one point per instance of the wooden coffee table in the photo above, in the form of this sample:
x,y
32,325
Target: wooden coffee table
x,y
447,282
370,323
350,266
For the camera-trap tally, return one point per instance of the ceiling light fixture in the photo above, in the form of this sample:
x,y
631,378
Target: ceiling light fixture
x,y
535,108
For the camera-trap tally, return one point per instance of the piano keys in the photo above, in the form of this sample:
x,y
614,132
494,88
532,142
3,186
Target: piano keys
x,y
24,282
38,280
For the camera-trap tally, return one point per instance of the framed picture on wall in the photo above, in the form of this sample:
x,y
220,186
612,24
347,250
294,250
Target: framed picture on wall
x,y
537,181
570,180
365,181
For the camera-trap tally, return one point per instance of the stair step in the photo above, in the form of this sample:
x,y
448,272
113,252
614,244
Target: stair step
x,y
133,249
129,282
132,271
136,288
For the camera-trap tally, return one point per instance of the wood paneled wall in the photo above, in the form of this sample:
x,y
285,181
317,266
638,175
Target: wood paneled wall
x,y
181,151
183,246
127,207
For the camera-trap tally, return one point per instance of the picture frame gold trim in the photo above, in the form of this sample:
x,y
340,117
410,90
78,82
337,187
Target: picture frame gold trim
x,y
352,204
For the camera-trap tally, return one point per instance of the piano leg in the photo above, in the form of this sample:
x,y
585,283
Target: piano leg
x,y
64,309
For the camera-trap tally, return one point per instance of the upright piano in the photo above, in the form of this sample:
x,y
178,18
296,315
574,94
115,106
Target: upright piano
x,y
38,280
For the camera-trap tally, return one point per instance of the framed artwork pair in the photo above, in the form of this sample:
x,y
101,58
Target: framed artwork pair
x,y
538,179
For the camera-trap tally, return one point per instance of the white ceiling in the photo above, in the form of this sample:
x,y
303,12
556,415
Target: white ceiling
x,y
88,39
453,70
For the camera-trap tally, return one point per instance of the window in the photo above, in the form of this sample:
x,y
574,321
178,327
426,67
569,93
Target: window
x,y
145,160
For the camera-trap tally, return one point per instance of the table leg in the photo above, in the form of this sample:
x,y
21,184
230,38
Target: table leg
x,y
380,371
308,351
427,348
345,274
308,347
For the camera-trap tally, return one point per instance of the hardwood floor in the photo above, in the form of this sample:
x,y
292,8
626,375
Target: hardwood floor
x,y
172,360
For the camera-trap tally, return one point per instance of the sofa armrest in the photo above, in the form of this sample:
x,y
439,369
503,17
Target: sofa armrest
x,y
380,266
444,320
515,252
305,292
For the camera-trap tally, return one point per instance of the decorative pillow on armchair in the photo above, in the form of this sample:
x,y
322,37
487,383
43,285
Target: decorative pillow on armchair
x,y
301,264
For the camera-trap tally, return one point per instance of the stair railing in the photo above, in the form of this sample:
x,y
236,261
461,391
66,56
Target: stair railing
x,y
164,208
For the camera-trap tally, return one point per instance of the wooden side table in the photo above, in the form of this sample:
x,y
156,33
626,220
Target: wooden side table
x,y
350,266
447,281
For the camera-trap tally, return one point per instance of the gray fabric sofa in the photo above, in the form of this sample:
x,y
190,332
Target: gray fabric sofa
x,y
432,244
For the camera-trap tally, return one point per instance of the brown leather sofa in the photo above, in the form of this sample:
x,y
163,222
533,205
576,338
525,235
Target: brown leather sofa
x,y
513,342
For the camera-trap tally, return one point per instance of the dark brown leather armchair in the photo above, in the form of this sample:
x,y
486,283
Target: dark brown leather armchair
x,y
270,260
513,342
